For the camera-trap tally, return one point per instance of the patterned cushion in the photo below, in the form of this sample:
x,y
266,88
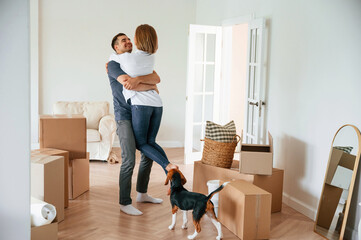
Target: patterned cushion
x,y
220,133
346,149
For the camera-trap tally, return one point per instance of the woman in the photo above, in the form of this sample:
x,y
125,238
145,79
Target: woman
x,y
147,107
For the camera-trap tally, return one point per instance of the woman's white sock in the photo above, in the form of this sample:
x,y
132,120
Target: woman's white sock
x,y
144,197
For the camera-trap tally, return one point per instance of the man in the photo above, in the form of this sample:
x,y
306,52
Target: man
x,y
118,79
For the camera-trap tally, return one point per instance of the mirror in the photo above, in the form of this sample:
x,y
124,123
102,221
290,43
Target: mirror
x,y
338,185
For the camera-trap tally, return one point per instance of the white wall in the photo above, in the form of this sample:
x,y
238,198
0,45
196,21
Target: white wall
x,y
75,41
313,82
15,120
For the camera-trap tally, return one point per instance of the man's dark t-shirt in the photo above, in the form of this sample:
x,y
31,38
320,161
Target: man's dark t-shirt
x,y
121,108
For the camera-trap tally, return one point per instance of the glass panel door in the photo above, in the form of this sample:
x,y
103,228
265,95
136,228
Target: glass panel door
x,y
254,103
202,86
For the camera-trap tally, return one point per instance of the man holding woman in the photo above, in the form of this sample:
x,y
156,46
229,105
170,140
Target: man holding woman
x,y
141,117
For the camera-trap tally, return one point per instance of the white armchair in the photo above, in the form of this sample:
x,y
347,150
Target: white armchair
x,y
101,126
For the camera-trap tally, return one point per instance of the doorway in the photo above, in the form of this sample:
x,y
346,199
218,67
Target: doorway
x,y
227,86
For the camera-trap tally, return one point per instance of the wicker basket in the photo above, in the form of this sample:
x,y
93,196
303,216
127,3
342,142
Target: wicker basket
x,y
219,154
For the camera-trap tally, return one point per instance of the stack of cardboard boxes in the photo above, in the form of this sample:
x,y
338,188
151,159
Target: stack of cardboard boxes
x,y
254,192
68,133
60,168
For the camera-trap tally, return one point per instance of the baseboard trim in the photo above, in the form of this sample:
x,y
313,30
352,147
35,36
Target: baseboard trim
x,y
164,144
171,144
300,206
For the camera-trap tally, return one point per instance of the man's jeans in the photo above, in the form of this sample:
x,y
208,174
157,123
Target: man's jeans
x,y
146,122
127,145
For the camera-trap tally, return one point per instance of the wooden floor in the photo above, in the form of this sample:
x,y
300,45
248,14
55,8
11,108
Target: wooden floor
x,y
95,215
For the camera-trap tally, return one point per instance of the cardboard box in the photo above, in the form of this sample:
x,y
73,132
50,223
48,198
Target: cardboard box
x,y
56,152
65,132
256,158
245,210
272,184
339,158
328,205
46,232
78,177
47,181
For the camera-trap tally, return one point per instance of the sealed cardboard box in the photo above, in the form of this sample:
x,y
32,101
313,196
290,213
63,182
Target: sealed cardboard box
x,y
256,158
46,232
47,181
272,183
245,210
328,205
65,132
78,177
57,152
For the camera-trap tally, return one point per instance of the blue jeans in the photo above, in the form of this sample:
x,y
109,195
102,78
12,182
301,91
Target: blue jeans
x,y
146,122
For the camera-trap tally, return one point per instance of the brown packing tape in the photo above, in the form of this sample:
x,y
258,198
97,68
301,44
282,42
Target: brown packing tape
x,y
70,181
258,199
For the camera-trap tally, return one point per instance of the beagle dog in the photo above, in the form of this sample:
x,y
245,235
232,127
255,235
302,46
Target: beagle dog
x,y
181,198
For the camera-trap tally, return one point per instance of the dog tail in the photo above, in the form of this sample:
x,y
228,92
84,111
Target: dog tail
x,y
215,191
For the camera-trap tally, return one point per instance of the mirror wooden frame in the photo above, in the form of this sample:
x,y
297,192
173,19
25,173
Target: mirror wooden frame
x,y
348,203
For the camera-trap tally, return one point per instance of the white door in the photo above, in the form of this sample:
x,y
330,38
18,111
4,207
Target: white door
x,y
254,117
203,86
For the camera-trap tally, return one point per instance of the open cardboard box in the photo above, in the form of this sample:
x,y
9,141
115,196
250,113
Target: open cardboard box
x,y
47,181
57,152
245,210
272,183
256,158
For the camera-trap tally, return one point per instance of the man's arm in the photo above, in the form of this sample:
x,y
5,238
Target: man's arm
x,y
145,87
114,70
133,83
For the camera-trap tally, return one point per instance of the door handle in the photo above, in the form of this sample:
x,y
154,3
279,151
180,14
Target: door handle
x,y
254,104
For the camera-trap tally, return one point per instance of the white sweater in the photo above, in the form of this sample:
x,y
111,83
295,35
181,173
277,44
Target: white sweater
x,y
136,64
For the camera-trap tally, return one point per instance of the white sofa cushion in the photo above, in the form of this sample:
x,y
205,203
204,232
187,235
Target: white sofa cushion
x,y
94,111
93,135
68,108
